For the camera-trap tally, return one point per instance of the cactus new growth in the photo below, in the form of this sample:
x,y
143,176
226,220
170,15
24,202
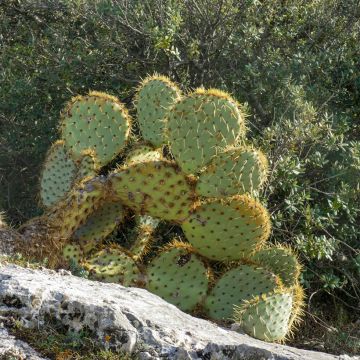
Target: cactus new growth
x,y
202,185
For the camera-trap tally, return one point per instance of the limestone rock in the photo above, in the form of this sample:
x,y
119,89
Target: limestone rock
x,y
128,319
13,349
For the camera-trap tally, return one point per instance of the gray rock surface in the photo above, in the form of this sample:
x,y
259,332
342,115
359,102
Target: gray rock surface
x,y
13,349
128,319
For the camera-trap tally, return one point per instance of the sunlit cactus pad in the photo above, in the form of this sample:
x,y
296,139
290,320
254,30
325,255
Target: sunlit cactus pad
x,y
235,171
113,265
266,317
157,188
156,94
228,230
202,123
58,175
237,285
281,261
99,122
179,276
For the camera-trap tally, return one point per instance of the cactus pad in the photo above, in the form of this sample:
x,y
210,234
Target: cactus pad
x,y
113,265
99,224
228,230
79,204
200,124
266,318
281,261
235,171
87,165
155,96
235,286
157,188
57,176
72,252
141,154
178,276
98,122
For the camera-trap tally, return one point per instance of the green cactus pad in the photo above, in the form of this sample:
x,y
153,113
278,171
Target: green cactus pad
x,y
57,176
266,318
235,171
235,286
157,188
99,122
99,225
113,265
155,96
72,252
200,124
281,261
229,229
178,276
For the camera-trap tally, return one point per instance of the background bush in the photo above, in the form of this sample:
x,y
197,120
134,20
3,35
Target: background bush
x,y
293,63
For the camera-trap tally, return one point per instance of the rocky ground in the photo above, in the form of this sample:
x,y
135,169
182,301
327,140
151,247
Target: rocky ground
x,y
122,319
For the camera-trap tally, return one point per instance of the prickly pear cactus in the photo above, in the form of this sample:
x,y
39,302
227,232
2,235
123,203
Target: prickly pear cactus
x,y
202,123
202,185
155,96
229,229
99,122
179,276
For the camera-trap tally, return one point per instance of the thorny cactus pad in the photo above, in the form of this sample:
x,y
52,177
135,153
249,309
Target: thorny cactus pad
x,y
236,285
155,96
281,261
72,253
228,230
179,276
99,225
266,317
234,171
58,175
201,124
99,122
113,265
156,188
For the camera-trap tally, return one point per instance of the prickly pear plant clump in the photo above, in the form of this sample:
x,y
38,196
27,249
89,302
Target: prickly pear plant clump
x,y
187,170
